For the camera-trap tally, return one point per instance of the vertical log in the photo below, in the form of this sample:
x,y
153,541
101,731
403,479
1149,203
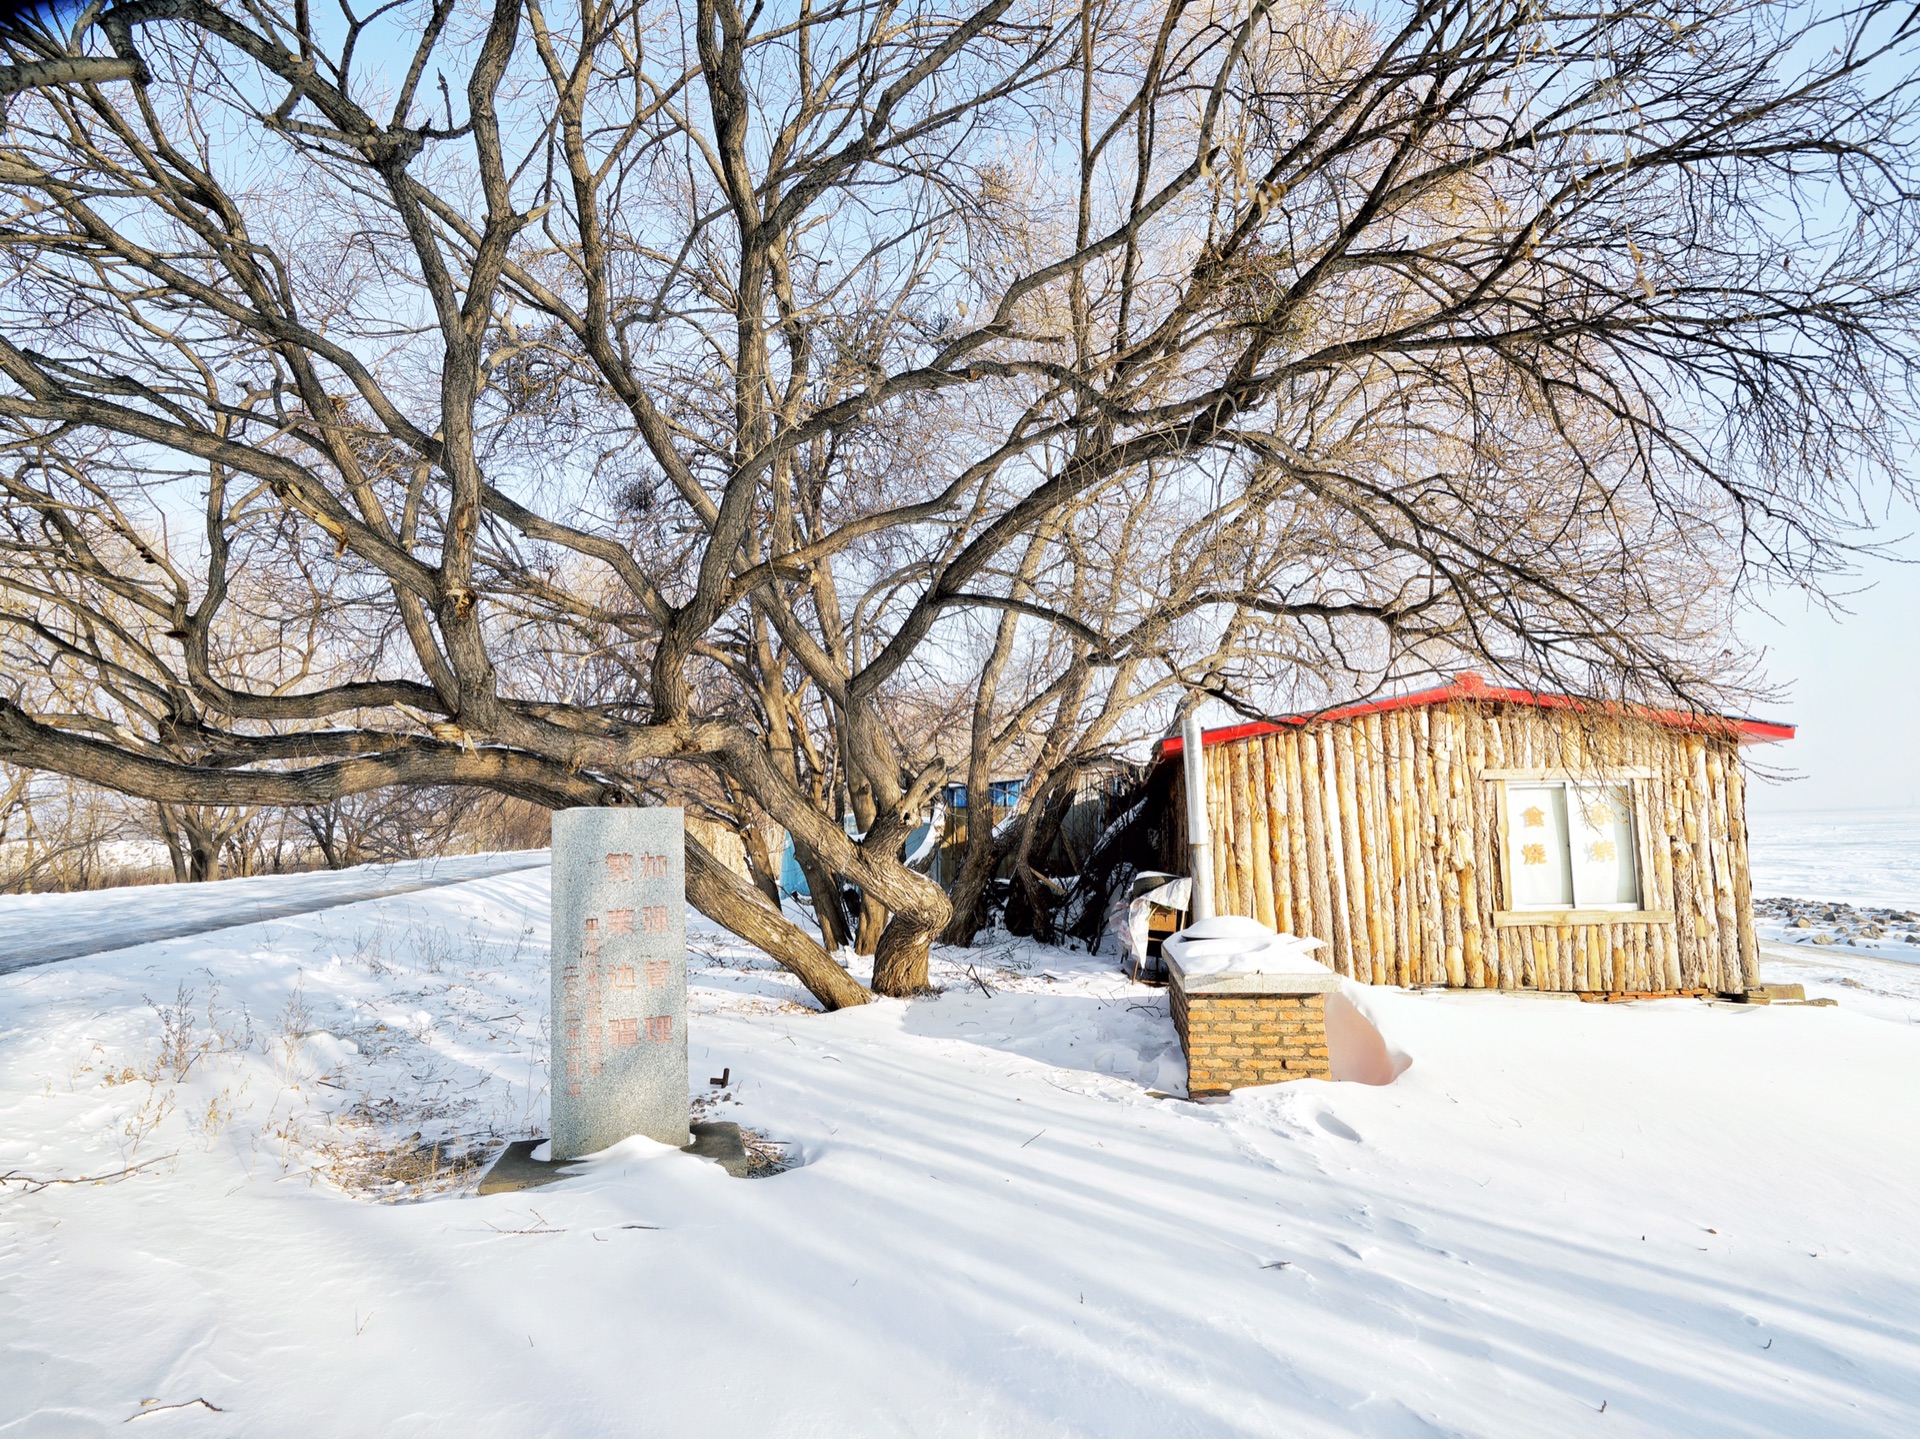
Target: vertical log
x,y
1445,726
1433,938
1415,927
1507,975
1473,805
1365,733
1273,766
1705,880
1660,820
1739,856
1393,743
1680,853
1340,743
1391,949
1259,840
1240,787
1220,826
1309,916
1323,856
1726,910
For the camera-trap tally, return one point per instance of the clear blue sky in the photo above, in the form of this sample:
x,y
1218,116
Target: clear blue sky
x,y
1854,689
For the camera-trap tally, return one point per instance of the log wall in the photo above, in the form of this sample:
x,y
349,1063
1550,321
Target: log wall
x,y
1381,834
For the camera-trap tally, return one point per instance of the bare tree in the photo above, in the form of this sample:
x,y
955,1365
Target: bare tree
x,y
622,393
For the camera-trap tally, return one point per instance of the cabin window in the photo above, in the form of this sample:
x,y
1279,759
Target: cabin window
x,y
1570,845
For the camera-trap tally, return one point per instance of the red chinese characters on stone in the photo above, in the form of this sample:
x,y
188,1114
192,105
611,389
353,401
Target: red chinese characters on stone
x,y
627,866
660,1028
658,972
621,976
619,921
624,1033
590,941
653,919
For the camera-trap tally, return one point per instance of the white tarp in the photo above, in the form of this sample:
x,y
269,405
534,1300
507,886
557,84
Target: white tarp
x,y
1234,944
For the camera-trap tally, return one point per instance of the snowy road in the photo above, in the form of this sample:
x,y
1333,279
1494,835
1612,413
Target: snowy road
x,y
46,928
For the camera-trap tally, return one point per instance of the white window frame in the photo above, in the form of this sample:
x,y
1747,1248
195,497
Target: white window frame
x,y
1514,912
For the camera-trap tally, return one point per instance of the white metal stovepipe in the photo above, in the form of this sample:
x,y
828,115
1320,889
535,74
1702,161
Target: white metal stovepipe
x,y
1199,836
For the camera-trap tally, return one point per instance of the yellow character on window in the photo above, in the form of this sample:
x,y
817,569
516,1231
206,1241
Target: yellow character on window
x,y
1533,854
1600,816
1600,851
1535,817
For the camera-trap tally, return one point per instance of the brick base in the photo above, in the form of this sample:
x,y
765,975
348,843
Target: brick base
x,y
1236,1040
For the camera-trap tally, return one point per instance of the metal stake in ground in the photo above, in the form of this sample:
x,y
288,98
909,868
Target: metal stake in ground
x,y
619,978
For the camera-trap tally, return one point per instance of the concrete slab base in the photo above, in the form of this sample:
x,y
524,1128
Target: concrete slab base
x,y
517,1169
722,1142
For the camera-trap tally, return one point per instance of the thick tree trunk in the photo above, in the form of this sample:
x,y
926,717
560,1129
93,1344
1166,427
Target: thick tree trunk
x,y
969,892
1033,904
900,959
204,843
873,924
762,862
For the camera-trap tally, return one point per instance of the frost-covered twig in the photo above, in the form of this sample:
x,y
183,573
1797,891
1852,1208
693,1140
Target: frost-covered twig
x,y
33,1183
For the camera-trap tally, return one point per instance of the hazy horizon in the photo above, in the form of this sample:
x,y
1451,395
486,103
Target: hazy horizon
x,y
1853,683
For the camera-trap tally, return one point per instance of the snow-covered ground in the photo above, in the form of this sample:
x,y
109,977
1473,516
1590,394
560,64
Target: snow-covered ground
x,y
1667,1218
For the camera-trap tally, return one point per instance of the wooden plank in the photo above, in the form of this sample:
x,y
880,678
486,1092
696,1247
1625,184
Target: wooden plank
x,y
1522,918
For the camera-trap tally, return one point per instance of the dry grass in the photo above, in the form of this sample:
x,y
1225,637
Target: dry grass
x,y
368,1164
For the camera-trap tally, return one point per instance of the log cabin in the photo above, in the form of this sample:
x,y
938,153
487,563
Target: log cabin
x,y
1475,837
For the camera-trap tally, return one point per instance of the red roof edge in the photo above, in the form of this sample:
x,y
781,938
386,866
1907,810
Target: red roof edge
x,y
1470,686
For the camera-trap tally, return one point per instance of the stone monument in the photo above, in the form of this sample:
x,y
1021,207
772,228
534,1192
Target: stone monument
x,y
619,978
